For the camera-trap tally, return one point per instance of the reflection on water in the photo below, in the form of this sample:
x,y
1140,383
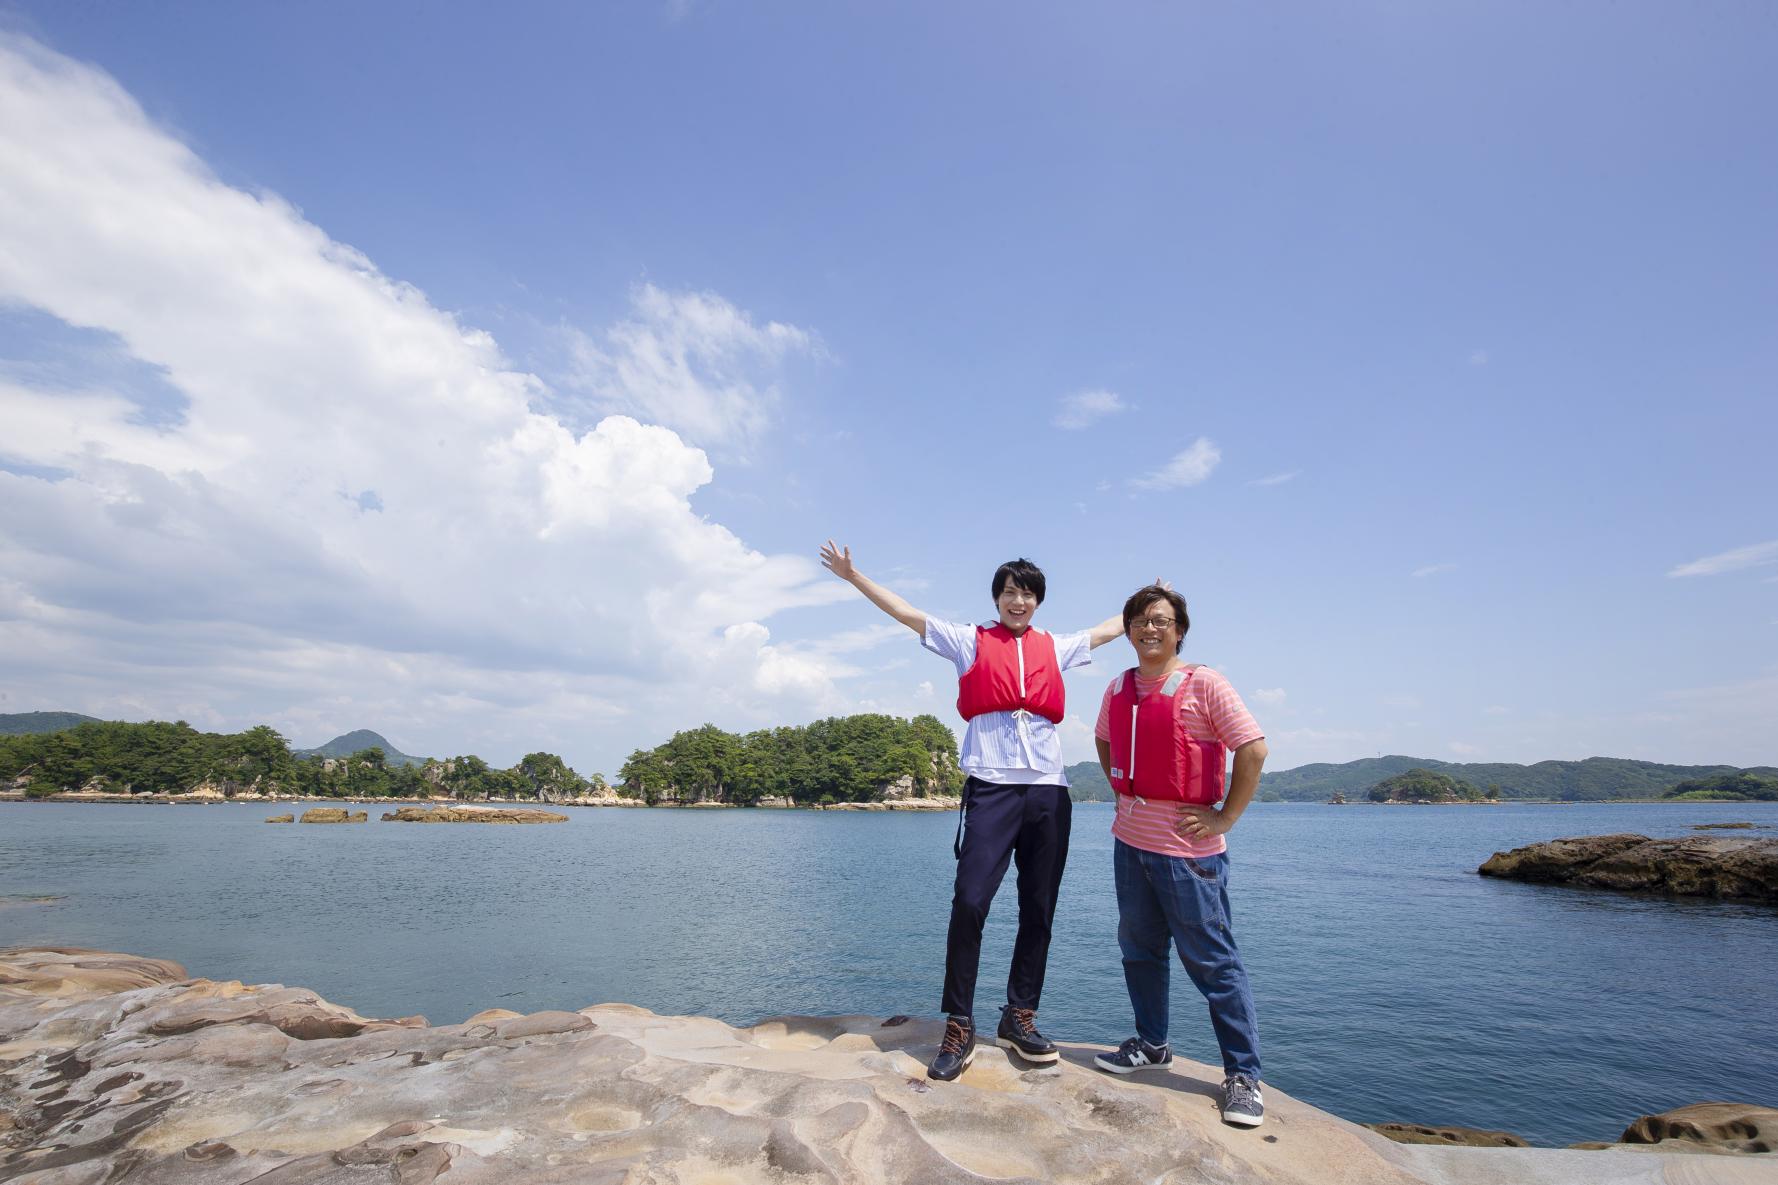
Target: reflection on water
x,y
1393,982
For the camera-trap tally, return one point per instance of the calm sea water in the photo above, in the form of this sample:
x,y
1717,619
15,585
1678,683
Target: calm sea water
x,y
1392,982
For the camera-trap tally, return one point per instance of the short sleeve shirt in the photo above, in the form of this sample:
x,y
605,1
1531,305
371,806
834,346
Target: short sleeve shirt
x,y
1210,711
1016,748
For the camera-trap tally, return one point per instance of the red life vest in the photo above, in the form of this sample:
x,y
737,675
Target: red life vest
x,y
1152,755
1012,673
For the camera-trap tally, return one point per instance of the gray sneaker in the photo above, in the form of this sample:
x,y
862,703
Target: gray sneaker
x,y
1133,1055
1242,1103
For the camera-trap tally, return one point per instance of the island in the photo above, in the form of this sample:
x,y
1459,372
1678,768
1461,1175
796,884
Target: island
x,y
1425,786
1733,868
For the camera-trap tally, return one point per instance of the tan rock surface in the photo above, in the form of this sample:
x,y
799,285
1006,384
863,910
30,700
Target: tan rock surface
x,y
1447,1135
333,814
471,814
1734,1127
114,1068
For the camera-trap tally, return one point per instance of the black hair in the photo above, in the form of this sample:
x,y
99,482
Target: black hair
x,y
1021,572
1147,595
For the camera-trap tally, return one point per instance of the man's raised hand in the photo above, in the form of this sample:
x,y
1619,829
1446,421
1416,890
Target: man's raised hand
x,y
838,560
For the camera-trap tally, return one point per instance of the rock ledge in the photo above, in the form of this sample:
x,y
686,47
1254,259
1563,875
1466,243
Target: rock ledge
x,y
118,1068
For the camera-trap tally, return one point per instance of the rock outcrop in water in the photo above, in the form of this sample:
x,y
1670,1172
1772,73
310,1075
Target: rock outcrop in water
x,y
333,814
1697,866
471,814
116,1068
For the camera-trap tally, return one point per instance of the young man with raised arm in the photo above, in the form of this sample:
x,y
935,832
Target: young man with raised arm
x,y
1015,798
1165,731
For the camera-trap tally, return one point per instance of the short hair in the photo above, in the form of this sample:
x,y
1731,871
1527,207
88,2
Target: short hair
x,y
1021,572
1147,595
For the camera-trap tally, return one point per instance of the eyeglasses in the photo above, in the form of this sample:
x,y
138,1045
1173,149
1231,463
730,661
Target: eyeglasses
x,y
1154,623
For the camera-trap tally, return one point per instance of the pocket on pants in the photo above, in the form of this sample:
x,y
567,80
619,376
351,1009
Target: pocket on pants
x,y
1204,870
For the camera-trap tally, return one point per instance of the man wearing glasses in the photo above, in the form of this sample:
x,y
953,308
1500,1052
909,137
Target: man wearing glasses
x,y
1165,731
1015,801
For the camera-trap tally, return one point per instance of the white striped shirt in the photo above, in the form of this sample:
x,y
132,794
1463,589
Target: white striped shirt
x,y
1015,748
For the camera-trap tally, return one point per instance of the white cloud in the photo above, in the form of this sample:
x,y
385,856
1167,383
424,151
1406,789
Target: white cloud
x,y
924,689
690,361
1276,479
523,584
1463,749
1478,358
1401,700
1189,468
1086,408
1433,570
1269,695
1752,556
1497,710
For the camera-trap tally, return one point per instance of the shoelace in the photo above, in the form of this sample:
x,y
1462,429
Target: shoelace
x,y
955,1038
1239,1090
1024,1020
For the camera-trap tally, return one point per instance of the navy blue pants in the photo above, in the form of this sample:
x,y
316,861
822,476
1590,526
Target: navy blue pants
x,y
1028,826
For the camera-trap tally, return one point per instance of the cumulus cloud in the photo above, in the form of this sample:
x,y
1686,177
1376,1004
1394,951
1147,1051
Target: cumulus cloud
x,y
1433,570
690,361
350,502
1754,555
1189,468
1083,409
1269,695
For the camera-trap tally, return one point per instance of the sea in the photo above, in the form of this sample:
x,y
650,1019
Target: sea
x,y
1393,983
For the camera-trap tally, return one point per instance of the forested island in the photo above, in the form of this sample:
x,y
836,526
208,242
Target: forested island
x,y
1425,785
849,759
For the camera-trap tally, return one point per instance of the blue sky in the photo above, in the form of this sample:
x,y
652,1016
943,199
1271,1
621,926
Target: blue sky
x,y
490,379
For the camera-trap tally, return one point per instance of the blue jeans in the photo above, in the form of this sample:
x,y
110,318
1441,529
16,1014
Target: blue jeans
x,y
1169,899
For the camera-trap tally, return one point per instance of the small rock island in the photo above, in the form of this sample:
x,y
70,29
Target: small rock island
x,y
1732,868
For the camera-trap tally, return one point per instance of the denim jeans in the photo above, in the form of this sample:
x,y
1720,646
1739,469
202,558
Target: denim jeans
x,y
1170,899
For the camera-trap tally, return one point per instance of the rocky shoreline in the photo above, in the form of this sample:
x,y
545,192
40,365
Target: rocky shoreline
x,y
115,1067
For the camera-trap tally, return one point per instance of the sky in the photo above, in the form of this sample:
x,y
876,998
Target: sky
x,y
490,377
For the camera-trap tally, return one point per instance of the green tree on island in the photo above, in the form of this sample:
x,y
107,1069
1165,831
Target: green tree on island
x,y
1740,786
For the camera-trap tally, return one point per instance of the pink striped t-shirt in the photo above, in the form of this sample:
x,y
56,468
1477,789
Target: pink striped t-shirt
x,y
1211,711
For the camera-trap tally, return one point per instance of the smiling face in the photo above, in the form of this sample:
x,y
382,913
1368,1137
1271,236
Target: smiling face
x,y
1016,604
1155,633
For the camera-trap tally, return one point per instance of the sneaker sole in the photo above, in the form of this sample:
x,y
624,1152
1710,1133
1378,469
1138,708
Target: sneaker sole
x,y
968,1058
1243,1120
1039,1058
1114,1068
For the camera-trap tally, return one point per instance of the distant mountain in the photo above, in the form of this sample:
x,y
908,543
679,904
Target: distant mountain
x,y
20,723
1594,780
1086,783
363,738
